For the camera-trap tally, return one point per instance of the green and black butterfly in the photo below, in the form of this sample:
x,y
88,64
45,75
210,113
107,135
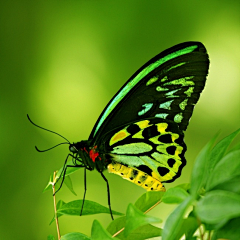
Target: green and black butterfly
x,y
139,134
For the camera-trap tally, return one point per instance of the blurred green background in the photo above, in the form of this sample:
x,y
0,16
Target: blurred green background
x,y
62,61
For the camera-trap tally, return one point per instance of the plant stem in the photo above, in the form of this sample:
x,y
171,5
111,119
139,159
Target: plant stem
x,y
200,230
55,206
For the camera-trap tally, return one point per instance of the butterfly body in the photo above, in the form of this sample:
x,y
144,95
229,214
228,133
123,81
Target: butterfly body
x,y
87,155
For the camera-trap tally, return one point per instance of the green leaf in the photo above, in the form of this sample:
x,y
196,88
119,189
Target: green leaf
x,y
235,147
75,236
148,199
184,186
50,184
69,171
220,149
175,220
232,185
218,206
144,232
59,205
225,170
50,237
141,233
116,225
135,218
231,230
99,233
190,225
199,172
89,208
175,195
68,183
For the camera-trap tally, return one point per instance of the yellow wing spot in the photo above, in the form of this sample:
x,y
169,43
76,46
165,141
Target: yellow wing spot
x,y
162,127
155,140
119,136
143,124
178,151
175,167
138,135
168,176
174,136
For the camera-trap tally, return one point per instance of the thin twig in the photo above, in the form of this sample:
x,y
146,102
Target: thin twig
x,y
200,230
209,235
152,207
115,234
55,206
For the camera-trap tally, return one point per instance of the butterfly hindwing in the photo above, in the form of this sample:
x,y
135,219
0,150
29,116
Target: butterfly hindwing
x,y
153,146
166,87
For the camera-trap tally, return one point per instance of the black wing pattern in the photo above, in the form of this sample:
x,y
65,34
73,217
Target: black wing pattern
x,y
167,87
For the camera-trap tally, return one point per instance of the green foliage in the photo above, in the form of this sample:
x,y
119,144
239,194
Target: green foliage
x,y
74,236
50,237
208,207
135,219
73,208
59,178
99,233
175,195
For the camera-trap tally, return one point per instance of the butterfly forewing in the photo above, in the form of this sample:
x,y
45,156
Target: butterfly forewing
x,y
166,87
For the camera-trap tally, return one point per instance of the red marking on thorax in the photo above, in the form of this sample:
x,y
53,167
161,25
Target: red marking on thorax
x,y
94,154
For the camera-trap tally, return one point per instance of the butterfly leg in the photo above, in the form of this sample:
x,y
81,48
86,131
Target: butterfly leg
x,y
108,190
85,189
63,173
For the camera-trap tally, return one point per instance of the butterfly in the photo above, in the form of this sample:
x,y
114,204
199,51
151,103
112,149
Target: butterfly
x,y
139,135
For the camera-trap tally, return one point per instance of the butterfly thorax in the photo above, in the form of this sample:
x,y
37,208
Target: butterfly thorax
x,y
88,155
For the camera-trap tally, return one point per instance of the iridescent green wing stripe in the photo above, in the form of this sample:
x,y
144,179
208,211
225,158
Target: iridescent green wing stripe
x,y
152,146
166,87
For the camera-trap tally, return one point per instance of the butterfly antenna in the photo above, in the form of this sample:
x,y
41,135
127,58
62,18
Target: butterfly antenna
x,y
50,148
46,130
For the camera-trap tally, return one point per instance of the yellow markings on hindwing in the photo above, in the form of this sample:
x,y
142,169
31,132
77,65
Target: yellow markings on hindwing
x,y
119,136
155,140
138,135
178,151
161,127
174,136
143,124
136,176
122,134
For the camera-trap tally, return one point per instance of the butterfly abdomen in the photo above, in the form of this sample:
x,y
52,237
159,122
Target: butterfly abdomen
x,y
136,176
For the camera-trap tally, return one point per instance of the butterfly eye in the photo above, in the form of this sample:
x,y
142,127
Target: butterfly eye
x,y
73,149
